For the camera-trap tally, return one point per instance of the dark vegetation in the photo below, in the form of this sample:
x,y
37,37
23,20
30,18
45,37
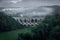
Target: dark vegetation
x,y
49,29
7,23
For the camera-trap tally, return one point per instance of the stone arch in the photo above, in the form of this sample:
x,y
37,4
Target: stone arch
x,y
25,20
35,20
20,20
32,20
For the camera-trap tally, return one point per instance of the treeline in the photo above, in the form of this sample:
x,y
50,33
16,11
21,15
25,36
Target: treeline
x,y
7,23
49,29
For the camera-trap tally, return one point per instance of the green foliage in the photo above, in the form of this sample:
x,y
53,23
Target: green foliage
x,y
25,36
7,23
49,29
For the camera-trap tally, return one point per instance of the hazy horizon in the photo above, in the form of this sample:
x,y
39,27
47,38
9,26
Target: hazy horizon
x,y
27,5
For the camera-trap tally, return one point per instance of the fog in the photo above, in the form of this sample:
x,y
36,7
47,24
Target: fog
x,y
30,12
25,6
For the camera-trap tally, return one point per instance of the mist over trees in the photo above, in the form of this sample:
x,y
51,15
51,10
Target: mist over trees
x,y
49,29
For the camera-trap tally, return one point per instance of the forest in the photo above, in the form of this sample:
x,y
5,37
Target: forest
x,y
49,29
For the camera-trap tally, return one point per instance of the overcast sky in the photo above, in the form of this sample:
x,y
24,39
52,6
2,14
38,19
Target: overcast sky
x,y
28,3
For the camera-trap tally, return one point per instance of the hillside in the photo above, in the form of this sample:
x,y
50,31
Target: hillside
x,y
7,23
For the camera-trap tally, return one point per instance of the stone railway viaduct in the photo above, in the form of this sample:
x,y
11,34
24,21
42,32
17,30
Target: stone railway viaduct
x,y
29,21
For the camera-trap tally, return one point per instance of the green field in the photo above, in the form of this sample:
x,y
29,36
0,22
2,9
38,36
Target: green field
x,y
12,35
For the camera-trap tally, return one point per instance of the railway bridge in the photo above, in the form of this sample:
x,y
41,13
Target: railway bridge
x,y
29,21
